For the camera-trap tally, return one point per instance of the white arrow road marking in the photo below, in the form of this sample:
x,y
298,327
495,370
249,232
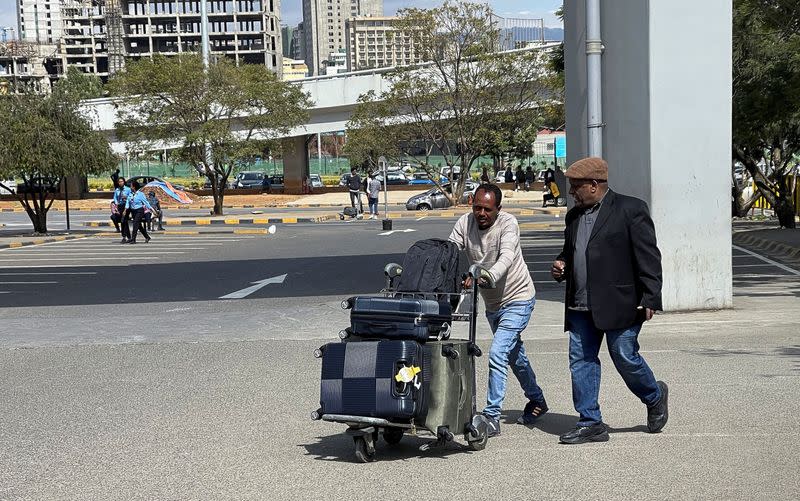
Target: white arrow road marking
x,y
256,286
407,230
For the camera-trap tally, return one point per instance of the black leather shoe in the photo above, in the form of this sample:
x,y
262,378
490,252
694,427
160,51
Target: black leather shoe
x,y
658,414
124,240
582,434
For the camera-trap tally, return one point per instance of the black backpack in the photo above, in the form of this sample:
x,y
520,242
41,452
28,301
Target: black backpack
x,y
433,265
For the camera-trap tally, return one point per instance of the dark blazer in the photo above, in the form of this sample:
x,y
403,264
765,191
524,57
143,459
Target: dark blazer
x,y
623,261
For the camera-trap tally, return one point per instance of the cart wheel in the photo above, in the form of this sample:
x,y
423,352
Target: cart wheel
x,y
479,445
363,453
392,436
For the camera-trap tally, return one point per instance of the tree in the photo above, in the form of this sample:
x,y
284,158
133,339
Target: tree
x,y
766,98
77,85
467,101
222,117
42,140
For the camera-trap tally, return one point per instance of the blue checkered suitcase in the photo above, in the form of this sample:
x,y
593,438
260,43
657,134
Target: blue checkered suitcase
x,y
383,379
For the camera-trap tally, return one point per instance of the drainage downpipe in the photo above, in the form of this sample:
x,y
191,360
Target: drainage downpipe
x,y
594,51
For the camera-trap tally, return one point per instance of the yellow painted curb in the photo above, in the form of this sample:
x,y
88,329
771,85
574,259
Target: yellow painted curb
x,y
289,220
202,221
14,245
534,226
257,231
184,232
231,221
261,221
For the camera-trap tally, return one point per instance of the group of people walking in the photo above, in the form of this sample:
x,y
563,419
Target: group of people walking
x,y
131,205
612,267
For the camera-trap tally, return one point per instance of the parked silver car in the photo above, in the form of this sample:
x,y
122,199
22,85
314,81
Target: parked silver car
x,y
435,199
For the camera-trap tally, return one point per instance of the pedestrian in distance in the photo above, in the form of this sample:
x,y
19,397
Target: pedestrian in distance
x,y
373,190
119,213
136,204
354,187
530,177
612,266
491,239
151,197
519,179
265,184
485,176
508,177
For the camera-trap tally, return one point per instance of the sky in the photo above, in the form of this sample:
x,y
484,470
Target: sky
x,y
292,11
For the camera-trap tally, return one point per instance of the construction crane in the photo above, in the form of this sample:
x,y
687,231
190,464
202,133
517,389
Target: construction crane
x,y
5,30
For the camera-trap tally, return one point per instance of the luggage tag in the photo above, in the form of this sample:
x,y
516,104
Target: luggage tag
x,y
409,375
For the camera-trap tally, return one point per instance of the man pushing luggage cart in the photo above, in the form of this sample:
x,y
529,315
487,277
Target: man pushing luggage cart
x,y
397,371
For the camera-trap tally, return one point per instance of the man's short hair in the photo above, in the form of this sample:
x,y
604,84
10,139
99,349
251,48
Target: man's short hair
x,y
135,185
491,188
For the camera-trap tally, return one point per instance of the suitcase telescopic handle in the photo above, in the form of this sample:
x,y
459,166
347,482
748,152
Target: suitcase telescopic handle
x,y
391,271
477,273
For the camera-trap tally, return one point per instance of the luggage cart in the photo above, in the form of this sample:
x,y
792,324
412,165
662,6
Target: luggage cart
x,y
456,412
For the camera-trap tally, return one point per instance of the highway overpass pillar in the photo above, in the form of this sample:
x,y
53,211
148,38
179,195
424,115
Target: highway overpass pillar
x,y
295,163
666,81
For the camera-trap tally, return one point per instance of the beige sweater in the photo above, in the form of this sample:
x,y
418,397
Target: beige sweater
x,y
498,250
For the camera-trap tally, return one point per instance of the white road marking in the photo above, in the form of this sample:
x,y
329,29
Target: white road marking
x,y
117,258
52,273
407,230
770,261
26,283
253,288
85,253
421,218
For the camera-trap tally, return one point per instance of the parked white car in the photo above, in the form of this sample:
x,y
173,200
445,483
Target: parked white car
x,y
8,184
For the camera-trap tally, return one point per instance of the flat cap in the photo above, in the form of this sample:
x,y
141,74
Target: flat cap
x,y
588,168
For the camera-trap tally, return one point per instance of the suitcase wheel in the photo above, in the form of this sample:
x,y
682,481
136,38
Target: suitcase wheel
x,y
365,450
392,436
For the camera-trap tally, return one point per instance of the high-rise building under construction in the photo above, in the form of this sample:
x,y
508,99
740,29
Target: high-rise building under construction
x,y
97,36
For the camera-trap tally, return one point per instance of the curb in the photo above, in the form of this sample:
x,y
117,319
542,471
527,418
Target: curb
x,y
768,246
228,221
248,231
39,241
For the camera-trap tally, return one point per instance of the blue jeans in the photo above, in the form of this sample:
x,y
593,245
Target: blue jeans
x,y
373,205
623,346
507,324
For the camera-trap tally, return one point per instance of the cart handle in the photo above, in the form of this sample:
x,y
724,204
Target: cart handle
x,y
483,275
392,270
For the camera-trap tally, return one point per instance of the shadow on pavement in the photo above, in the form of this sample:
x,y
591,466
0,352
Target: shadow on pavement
x,y
748,286
551,423
340,448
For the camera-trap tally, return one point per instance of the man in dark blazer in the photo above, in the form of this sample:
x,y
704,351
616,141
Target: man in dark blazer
x,y
612,266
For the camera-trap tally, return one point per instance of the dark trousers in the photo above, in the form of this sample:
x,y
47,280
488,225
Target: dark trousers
x,y
356,195
126,230
138,216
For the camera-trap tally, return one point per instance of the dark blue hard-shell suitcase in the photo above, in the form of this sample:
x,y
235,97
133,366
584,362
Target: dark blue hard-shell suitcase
x,y
382,379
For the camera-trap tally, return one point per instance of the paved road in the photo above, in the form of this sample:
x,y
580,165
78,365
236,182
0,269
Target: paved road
x,y
176,394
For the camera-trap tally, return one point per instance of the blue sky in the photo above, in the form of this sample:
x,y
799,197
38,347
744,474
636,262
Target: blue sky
x,y
292,9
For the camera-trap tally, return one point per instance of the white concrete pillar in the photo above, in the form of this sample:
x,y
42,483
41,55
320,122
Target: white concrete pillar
x,y
667,109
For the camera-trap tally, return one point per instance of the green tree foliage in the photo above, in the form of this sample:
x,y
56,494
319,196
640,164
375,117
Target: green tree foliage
x,y
77,85
467,101
766,97
219,118
42,140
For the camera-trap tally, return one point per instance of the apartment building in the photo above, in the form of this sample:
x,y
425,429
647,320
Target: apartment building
x,y
324,26
294,69
376,42
39,20
24,67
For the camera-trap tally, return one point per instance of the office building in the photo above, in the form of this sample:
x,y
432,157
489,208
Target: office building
x,y
375,42
294,69
324,26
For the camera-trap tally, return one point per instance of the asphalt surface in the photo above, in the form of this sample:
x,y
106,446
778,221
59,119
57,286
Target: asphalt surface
x,y
133,380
